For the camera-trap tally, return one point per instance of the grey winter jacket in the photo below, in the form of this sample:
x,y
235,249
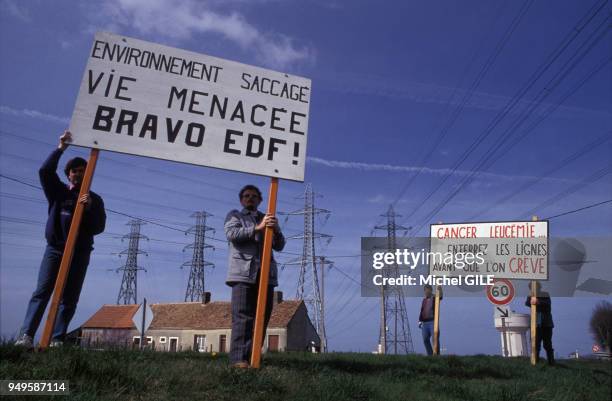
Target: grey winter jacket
x,y
245,247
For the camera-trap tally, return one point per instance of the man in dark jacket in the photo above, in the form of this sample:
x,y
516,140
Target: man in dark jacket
x,y
62,201
244,230
426,317
544,322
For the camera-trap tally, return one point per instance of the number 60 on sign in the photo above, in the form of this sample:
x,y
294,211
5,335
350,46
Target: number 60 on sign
x,y
501,292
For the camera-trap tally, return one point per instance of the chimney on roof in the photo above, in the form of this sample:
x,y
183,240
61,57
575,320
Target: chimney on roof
x,y
206,297
277,298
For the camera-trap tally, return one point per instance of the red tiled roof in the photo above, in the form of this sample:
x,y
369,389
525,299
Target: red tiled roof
x,y
112,317
283,312
186,315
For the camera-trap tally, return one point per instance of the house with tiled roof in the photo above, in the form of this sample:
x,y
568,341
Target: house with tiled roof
x,y
110,325
202,326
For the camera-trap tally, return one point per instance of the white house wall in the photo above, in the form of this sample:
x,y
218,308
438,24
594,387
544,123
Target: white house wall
x,y
186,338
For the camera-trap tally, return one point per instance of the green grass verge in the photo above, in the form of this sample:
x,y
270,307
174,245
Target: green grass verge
x,y
133,375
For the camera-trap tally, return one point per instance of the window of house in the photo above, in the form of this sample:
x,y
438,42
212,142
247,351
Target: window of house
x,y
222,343
162,340
199,342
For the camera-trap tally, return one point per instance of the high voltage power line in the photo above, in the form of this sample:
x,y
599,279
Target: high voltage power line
x,y
580,209
593,11
468,94
144,219
10,134
183,231
552,57
597,175
558,166
488,155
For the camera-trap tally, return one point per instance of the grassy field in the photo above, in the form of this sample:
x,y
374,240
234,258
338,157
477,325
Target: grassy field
x,y
133,375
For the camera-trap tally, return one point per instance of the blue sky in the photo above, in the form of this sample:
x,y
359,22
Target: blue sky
x,y
388,78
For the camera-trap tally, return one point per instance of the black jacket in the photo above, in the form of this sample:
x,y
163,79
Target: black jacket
x,y
543,309
62,202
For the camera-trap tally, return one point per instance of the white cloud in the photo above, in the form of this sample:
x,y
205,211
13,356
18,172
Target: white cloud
x,y
184,19
379,198
432,93
65,44
13,9
413,169
33,114
385,200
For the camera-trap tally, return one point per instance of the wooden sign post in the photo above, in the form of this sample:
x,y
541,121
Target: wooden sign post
x,y
534,323
534,293
436,333
264,273
142,325
73,233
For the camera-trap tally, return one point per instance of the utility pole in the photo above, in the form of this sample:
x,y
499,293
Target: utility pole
x,y
195,284
129,284
393,302
383,319
308,287
322,262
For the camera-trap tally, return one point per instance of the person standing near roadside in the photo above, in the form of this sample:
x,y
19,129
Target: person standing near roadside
x,y
426,317
244,230
544,322
62,200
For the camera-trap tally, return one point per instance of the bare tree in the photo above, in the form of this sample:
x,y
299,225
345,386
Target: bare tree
x,y
601,324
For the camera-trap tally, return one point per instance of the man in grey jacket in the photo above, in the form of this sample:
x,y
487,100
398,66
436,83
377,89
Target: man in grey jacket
x,y
244,230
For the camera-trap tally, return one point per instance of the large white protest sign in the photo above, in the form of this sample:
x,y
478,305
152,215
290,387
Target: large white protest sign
x,y
150,100
512,250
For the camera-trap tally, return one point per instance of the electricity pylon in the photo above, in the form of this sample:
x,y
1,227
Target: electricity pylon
x,y
308,285
129,284
393,312
195,284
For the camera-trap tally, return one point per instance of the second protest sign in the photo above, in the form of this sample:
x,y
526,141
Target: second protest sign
x,y
516,250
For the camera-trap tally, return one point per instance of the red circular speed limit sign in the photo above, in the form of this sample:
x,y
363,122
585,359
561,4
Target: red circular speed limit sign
x,y
501,292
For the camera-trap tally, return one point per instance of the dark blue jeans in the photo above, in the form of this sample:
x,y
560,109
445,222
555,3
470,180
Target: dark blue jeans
x,y
49,267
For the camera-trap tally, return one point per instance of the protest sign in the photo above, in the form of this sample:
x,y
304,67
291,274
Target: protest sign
x,y
516,250
150,100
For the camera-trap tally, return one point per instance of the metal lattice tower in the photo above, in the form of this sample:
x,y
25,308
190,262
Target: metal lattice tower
x,y
129,284
308,286
195,284
393,303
